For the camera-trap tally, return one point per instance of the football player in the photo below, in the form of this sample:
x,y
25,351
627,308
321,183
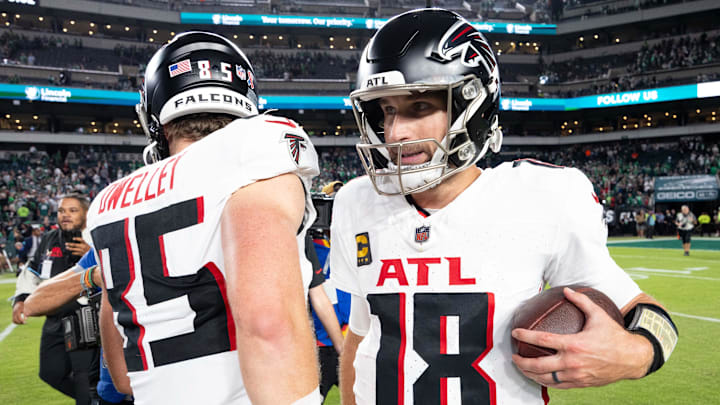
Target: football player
x,y
426,243
200,250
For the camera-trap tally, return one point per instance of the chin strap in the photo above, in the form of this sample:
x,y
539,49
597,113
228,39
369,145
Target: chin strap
x,y
150,153
496,135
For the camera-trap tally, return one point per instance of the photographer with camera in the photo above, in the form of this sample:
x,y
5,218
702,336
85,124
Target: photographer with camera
x,y
71,369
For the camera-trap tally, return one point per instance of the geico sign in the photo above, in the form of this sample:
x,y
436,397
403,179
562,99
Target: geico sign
x,y
675,195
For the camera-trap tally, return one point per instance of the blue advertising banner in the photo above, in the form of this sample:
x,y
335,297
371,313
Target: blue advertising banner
x,y
68,95
109,97
259,20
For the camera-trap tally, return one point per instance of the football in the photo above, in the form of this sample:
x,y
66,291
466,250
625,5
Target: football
x,y
551,312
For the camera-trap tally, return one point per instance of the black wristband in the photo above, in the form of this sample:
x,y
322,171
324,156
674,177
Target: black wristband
x,y
20,298
654,324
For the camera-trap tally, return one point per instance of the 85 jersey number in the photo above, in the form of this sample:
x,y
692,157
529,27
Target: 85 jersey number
x,y
185,317
452,333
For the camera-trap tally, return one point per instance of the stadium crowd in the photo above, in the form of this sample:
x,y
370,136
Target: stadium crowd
x,y
669,54
32,182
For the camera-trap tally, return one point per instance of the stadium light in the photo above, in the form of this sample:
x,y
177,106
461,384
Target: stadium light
x,y
35,117
251,36
280,37
596,36
582,39
17,16
235,36
127,28
264,36
41,18
617,40
7,116
92,24
674,116
154,31
332,46
7,23
92,123
17,121
352,47
72,22
90,32
299,45
108,26
698,111
332,39
347,39
4,15
151,40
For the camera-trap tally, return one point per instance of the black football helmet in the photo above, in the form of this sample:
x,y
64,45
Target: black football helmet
x,y
197,72
419,51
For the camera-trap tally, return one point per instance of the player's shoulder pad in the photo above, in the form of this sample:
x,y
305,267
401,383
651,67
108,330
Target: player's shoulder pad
x,y
355,191
354,196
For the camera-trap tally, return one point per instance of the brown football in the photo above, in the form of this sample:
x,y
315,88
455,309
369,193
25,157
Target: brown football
x,y
550,311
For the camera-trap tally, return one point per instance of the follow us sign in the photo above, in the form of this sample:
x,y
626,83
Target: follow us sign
x,y
633,97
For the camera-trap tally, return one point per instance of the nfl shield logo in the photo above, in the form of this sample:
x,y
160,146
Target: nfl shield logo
x,y
240,72
422,234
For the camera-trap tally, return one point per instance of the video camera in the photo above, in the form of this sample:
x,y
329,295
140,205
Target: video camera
x,y
323,205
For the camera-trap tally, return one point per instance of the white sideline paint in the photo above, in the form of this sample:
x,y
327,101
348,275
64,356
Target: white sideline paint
x,y
7,331
641,273
702,318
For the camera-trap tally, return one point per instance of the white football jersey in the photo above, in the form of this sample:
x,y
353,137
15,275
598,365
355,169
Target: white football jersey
x,y
442,289
157,235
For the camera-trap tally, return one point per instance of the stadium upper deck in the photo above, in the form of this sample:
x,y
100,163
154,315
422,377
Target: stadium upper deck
x,y
617,47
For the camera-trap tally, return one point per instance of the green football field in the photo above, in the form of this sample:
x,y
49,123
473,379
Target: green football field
x,y
688,286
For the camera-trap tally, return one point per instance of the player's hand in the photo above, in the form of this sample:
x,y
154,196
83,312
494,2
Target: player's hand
x,y
77,248
602,353
18,313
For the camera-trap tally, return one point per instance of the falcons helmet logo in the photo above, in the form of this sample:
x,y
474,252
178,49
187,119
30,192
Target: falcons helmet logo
x,y
465,41
295,144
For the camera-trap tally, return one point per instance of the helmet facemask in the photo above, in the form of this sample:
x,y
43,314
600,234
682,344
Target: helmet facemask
x,y
457,150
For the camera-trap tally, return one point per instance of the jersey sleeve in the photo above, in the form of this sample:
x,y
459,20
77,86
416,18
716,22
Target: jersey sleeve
x,y
260,148
266,146
344,269
580,254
